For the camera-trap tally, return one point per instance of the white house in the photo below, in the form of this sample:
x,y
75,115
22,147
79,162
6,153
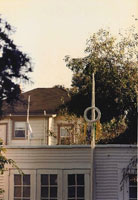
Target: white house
x,y
53,171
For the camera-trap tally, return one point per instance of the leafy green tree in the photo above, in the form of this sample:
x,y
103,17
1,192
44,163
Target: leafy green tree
x,y
14,66
114,62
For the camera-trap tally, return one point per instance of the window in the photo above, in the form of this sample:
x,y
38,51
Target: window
x,y
76,187
49,187
132,187
19,129
77,184
22,187
65,133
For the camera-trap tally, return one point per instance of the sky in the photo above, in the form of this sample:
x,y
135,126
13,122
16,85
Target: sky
x,y
48,30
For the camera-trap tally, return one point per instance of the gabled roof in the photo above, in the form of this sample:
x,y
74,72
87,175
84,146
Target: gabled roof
x,y
48,99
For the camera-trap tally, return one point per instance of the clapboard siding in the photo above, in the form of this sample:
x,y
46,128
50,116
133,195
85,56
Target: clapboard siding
x,y
48,157
39,129
107,160
1,185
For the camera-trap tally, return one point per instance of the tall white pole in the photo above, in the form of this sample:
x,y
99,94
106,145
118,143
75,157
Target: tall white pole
x,y
93,138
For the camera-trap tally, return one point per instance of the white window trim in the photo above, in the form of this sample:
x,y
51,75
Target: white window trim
x,y
59,186
86,182
33,181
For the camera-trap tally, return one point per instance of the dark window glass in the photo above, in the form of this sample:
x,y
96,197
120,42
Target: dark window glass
x,y
53,192
71,191
80,191
53,179
22,187
26,180
26,191
71,179
44,191
133,186
17,192
20,133
80,179
17,179
133,179
44,179
132,192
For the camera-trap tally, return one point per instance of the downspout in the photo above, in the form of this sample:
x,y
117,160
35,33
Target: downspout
x,y
44,127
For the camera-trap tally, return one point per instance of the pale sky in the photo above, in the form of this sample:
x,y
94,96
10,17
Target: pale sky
x,y
47,30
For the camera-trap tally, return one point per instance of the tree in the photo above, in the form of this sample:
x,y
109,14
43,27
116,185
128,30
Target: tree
x,y
14,66
114,63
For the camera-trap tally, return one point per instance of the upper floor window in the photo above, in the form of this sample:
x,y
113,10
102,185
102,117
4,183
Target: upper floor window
x,y
19,129
65,134
132,187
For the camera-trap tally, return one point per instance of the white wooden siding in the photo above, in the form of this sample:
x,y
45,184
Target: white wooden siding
x,y
39,128
107,161
1,184
51,157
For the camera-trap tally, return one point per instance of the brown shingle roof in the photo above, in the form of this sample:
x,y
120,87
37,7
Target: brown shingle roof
x,y
48,99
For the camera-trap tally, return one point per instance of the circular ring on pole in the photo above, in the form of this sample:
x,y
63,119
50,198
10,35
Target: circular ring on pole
x,y
92,108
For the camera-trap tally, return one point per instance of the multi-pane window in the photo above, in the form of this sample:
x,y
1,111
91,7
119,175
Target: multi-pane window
x,y
65,134
132,187
76,187
22,187
49,187
19,129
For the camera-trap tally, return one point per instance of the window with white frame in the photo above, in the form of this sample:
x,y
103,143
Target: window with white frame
x,y
76,187
49,187
77,184
19,129
63,184
22,187
132,187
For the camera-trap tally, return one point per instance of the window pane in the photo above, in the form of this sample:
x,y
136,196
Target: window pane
x,y
17,179
132,192
53,191
64,132
20,133
44,191
53,179
17,191
80,191
80,179
44,179
71,191
71,179
26,179
133,179
26,191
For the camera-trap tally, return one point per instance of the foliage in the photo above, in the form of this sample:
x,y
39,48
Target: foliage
x,y
14,66
130,169
114,63
5,161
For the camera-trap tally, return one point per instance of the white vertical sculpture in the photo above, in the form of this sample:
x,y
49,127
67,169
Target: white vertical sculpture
x,y
91,123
